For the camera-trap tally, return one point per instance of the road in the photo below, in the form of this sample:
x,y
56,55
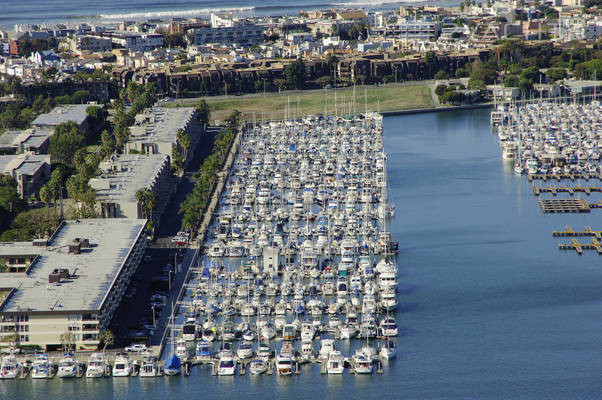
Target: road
x,y
130,316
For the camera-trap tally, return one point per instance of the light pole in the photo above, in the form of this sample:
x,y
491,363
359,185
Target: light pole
x,y
154,321
170,280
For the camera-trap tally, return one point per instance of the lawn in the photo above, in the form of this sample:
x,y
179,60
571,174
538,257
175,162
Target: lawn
x,y
274,105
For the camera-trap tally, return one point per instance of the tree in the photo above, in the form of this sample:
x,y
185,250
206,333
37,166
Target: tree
x,y
147,200
203,112
294,74
441,75
556,74
525,85
95,113
67,139
511,81
67,340
430,58
107,338
440,90
3,266
461,73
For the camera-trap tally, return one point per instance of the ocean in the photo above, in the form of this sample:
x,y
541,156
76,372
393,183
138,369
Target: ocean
x,y
52,11
489,307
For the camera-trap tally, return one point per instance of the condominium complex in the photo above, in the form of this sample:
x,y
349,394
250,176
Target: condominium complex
x,y
124,175
72,282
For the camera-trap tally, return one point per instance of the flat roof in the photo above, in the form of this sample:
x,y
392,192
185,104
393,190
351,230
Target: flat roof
x,y
159,124
128,174
61,114
95,268
27,164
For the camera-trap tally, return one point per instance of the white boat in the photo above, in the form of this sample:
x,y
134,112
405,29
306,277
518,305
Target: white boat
x,y
41,367
307,350
388,300
348,331
388,327
307,332
10,367
203,351
258,367
189,330
268,332
122,367
363,363
226,365
326,347
389,350
149,367
336,362
97,366
244,350
182,349
68,366
264,351
284,364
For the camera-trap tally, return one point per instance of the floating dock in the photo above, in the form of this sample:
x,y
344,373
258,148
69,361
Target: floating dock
x,y
565,206
579,247
566,189
559,177
568,231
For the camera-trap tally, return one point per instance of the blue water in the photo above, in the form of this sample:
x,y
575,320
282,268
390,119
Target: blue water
x,y
489,307
40,11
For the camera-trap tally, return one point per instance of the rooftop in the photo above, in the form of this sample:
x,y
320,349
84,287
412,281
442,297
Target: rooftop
x,y
160,124
122,177
63,113
94,269
26,164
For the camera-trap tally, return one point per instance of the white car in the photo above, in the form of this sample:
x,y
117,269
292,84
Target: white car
x,y
136,348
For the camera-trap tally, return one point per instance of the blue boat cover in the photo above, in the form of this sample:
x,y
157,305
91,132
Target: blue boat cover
x,y
173,362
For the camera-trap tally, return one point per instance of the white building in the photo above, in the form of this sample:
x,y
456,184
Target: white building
x,y
121,177
91,44
72,282
30,171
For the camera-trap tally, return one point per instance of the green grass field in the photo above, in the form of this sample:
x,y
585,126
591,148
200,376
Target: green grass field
x,y
273,105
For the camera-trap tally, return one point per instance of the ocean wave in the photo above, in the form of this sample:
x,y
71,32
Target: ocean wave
x,y
173,13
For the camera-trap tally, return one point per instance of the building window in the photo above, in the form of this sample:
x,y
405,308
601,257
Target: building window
x,y
24,338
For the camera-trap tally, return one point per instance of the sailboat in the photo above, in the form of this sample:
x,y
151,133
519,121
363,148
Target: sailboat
x,y
173,365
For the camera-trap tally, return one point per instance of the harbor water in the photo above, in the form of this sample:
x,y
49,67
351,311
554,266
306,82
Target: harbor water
x,y
489,307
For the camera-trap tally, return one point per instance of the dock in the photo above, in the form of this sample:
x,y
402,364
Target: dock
x,y
568,231
565,206
559,177
579,247
565,189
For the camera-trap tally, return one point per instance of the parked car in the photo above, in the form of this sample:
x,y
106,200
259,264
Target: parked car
x,y
136,348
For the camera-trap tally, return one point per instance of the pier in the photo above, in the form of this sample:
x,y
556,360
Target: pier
x,y
566,189
559,177
564,206
588,231
579,247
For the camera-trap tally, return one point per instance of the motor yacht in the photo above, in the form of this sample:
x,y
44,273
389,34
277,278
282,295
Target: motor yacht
x,y
122,366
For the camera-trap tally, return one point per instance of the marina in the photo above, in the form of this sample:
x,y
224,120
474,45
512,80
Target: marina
x,y
550,138
298,255
471,310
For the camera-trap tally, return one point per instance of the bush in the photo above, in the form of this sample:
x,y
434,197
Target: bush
x,y
440,89
440,75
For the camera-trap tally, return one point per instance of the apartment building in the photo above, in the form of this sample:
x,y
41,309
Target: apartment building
x,y
156,132
124,175
30,171
72,282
